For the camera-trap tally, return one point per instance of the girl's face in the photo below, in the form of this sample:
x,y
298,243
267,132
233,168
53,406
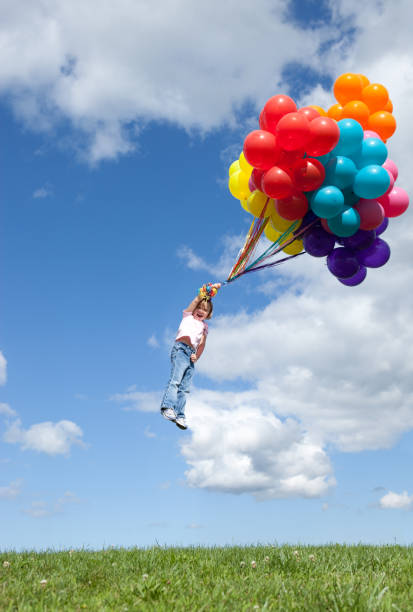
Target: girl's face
x,y
201,312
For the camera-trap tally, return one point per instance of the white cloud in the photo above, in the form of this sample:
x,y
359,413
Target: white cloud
x,y
148,433
153,341
3,369
6,411
43,509
239,445
220,269
50,438
43,192
11,491
145,401
398,501
110,68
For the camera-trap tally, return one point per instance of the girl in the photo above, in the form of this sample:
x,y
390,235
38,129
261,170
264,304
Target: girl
x,y
188,348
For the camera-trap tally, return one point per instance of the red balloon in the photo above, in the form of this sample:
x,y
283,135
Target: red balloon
x,y
275,108
324,224
260,149
309,112
371,213
256,177
293,131
324,135
293,207
308,174
287,159
276,183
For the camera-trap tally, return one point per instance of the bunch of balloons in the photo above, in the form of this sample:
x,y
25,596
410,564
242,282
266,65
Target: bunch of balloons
x,y
328,171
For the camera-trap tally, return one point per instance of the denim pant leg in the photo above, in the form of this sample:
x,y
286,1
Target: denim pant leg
x,y
183,390
180,363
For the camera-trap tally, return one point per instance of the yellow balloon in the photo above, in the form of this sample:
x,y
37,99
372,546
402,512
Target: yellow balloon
x,y
294,248
281,224
271,233
256,203
244,205
244,164
234,167
238,185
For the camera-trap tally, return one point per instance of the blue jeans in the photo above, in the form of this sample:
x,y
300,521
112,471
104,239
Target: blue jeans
x,y
182,371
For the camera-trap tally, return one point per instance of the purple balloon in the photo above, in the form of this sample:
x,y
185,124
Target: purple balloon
x,y
382,227
356,279
342,262
360,240
317,242
376,255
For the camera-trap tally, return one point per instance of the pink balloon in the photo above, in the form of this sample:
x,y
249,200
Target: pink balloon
x,y
391,167
391,182
370,134
371,213
395,203
251,185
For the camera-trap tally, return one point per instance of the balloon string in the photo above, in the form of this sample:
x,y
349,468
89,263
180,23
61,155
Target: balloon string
x,y
252,238
270,252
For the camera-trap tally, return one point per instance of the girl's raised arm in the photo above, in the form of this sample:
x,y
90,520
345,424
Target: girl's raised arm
x,y
193,304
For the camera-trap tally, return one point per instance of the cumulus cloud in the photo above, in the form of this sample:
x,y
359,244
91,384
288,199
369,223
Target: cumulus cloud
x,y
11,491
6,411
397,501
3,369
43,192
110,69
239,445
50,438
145,401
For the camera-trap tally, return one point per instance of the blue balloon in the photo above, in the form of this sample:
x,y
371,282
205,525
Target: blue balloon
x,y
340,172
351,137
372,151
345,224
371,182
350,198
324,158
327,202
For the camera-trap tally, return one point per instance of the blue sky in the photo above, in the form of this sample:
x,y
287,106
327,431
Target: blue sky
x,y
115,209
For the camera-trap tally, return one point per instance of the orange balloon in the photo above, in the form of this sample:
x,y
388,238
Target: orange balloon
x,y
389,106
335,112
356,110
348,87
319,109
383,123
375,96
364,80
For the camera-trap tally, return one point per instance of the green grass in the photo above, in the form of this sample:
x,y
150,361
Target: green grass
x,y
303,578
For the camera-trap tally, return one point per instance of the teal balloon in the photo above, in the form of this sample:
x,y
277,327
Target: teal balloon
x,y
350,198
340,172
327,202
372,151
345,224
324,158
371,182
351,137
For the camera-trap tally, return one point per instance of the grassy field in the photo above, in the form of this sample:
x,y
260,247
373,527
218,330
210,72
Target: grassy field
x,y
300,578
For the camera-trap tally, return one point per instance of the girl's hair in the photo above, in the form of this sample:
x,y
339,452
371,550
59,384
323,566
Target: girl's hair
x,y
210,306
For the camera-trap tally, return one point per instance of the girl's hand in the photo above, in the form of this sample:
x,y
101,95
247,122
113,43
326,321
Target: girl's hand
x,y
193,357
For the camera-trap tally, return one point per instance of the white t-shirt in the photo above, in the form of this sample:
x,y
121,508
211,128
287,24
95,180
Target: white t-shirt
x,y
193,328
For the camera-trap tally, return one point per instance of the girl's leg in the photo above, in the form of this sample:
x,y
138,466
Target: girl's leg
x,y
179,365
183,390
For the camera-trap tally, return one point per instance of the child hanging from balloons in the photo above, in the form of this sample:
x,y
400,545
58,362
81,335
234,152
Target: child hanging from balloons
x,y
187,349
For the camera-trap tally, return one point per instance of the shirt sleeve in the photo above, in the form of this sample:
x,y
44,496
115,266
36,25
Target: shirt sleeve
x,y
205,328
